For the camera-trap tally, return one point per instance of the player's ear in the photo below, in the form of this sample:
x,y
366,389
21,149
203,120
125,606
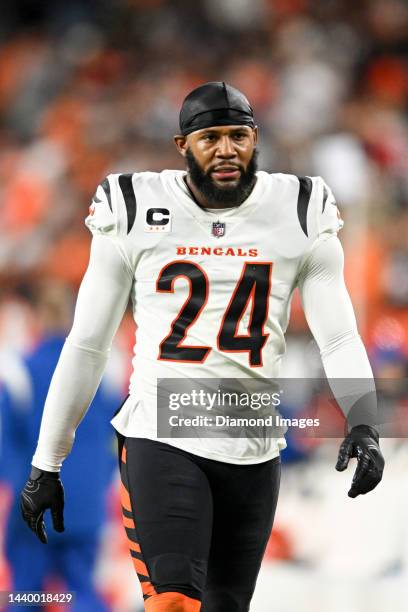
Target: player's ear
x,y
181,144
255,132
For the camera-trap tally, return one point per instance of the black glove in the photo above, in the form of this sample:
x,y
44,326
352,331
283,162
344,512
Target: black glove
x,y
43,490
362,442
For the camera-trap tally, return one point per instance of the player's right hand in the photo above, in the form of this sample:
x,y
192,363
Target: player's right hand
x,y
43,491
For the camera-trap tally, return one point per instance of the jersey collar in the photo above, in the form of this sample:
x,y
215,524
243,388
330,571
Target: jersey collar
x,y
183,195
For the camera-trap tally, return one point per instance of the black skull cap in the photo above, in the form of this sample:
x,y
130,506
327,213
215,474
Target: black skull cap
x,y
212,104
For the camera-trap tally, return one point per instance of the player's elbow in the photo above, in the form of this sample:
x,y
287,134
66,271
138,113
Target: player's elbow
x,y
87,343
339,340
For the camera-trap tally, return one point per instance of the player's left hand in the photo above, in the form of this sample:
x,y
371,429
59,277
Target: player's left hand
x,y
363,443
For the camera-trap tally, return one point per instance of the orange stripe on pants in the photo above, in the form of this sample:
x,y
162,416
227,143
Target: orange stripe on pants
x,y
125,498
134,546
140,567
172,602
128,522
148,589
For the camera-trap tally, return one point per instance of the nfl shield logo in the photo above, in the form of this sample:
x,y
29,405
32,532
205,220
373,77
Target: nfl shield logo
x,y
218,229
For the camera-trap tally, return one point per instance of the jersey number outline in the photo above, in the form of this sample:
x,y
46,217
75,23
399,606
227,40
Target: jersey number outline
x,y
252,287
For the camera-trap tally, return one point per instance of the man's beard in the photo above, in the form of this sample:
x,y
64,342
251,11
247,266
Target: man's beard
x,y
232,196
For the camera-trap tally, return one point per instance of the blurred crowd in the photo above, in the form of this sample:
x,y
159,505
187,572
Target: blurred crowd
x,y
89,87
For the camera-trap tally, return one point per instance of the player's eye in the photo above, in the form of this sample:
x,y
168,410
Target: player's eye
x,y
239,136
209,137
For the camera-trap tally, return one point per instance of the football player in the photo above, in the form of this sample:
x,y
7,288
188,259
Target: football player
x,y
210,258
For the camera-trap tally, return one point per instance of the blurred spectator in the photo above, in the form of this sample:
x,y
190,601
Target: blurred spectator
x,y
71,556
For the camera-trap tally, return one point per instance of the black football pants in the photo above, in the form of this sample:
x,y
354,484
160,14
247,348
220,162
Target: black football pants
x,y
196,526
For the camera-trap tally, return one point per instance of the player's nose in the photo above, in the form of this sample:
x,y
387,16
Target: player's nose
x,y
226,148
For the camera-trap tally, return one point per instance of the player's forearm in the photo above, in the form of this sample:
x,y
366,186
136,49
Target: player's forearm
x,y
331,319
351,379
73,386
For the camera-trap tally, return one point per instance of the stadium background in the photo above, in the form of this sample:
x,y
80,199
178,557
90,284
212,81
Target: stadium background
x,y
89,87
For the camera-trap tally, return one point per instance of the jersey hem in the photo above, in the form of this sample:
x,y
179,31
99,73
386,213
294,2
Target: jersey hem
x,y
275,452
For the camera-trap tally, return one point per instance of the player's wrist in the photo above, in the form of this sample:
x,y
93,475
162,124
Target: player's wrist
x,y
367,431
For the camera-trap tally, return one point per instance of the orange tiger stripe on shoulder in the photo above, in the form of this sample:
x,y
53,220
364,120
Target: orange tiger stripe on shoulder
x,y
124,454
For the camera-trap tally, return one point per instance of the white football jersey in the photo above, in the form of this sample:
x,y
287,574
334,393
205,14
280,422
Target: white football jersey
x,y
212,289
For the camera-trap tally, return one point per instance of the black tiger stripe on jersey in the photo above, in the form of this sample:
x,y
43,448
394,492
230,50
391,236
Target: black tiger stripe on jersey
x,y
305,191
325,196
126,186
106,187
